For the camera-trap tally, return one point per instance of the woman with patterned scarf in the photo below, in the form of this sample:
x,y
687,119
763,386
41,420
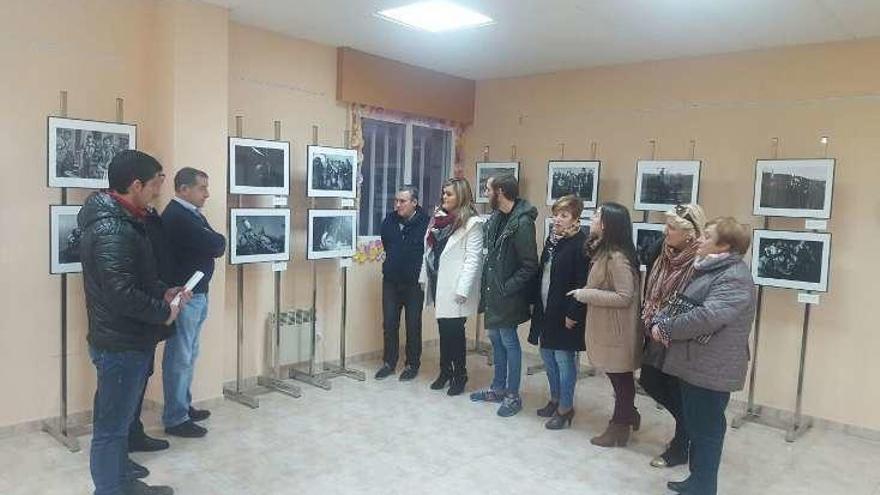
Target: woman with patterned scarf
x,y
669,272
558,319
451,275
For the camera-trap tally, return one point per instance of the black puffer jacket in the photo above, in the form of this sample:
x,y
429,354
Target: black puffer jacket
x,y
124,295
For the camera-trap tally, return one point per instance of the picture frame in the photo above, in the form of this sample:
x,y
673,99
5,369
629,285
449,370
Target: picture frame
x,y
485,170
795,188
578,177
791,260
64,239
663,184
331,172
259,167
332,234
79,151
259,235
645,236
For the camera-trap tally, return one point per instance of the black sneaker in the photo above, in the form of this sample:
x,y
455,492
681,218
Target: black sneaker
x,y
187,429
138,487
408,373
143,443
136,471
199,414
384,372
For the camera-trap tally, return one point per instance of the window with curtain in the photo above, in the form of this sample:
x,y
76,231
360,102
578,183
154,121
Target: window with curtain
x,y
401,154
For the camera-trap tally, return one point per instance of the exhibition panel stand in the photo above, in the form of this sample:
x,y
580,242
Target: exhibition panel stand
x,y
799,424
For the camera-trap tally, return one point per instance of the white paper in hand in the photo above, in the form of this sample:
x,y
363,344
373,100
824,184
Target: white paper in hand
x,y
189,286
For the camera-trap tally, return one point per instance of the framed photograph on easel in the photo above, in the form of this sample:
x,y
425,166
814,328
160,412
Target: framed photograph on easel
x,y
80,151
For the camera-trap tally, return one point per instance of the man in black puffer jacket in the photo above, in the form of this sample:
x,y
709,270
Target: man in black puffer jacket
x,y
403,238
129,311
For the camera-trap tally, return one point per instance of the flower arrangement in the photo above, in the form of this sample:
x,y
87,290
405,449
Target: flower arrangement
x,y
367,251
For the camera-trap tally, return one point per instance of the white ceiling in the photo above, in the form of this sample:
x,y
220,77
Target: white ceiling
x,y
537,36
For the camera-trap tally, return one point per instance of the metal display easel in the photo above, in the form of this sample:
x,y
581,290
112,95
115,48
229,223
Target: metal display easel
x,y
273,380
478,319
238,393
313,376
59,429
332,370
799,424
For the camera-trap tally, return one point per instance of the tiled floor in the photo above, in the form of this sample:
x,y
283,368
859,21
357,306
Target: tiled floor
x,y
402,438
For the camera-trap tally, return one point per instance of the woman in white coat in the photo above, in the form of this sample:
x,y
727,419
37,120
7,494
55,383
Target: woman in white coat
x,y
451,274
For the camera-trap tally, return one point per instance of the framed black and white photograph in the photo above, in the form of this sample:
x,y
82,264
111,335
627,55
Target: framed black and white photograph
x,y
646,236
794,188
64,239
332,172
259,166
548,226
80,151
485,170
580,178
259,235
660,185
332,234
791,260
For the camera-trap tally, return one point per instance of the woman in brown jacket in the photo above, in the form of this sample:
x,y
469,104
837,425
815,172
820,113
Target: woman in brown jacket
x,y
614,343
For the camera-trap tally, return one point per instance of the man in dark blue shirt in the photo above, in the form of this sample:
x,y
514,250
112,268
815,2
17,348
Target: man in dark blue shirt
x,y
194,245
403,238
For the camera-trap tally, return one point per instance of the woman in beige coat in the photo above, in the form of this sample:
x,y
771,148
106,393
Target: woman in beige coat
x,y
614,343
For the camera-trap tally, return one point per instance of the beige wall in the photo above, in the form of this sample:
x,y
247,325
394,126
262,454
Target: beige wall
x,y
168,61
732,106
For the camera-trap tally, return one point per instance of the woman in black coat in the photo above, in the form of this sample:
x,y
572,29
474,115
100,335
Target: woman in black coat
x,y
558,319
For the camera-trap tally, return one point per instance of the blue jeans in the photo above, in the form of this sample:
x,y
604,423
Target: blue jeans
x,y
121,378
706,424
562,374
178,363
507,355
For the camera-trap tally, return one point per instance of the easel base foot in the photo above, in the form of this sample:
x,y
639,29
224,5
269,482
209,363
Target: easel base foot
x,y
242,397
280,386
71,442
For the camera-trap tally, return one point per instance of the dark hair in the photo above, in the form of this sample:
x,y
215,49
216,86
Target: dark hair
x,y
508,184
617,232
412,190
187,177
131,165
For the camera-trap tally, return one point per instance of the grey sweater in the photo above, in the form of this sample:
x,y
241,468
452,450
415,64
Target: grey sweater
x,y
725,293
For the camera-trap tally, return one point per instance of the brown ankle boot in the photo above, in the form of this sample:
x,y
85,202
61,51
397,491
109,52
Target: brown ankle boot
x,y
614,436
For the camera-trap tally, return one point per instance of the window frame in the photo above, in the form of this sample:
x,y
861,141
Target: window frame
x,y
407,153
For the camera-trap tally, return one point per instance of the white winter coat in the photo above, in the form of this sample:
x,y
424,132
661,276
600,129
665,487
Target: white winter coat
x,y
460,270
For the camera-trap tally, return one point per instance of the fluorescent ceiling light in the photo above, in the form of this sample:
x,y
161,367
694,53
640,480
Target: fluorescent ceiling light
x,y
435,16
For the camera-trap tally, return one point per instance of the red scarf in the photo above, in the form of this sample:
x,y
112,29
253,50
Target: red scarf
x,y
441,227
139,213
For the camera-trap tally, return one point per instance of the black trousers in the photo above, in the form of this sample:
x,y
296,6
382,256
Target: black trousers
x,y
396,297
453,347
136,429
706,425
666,390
